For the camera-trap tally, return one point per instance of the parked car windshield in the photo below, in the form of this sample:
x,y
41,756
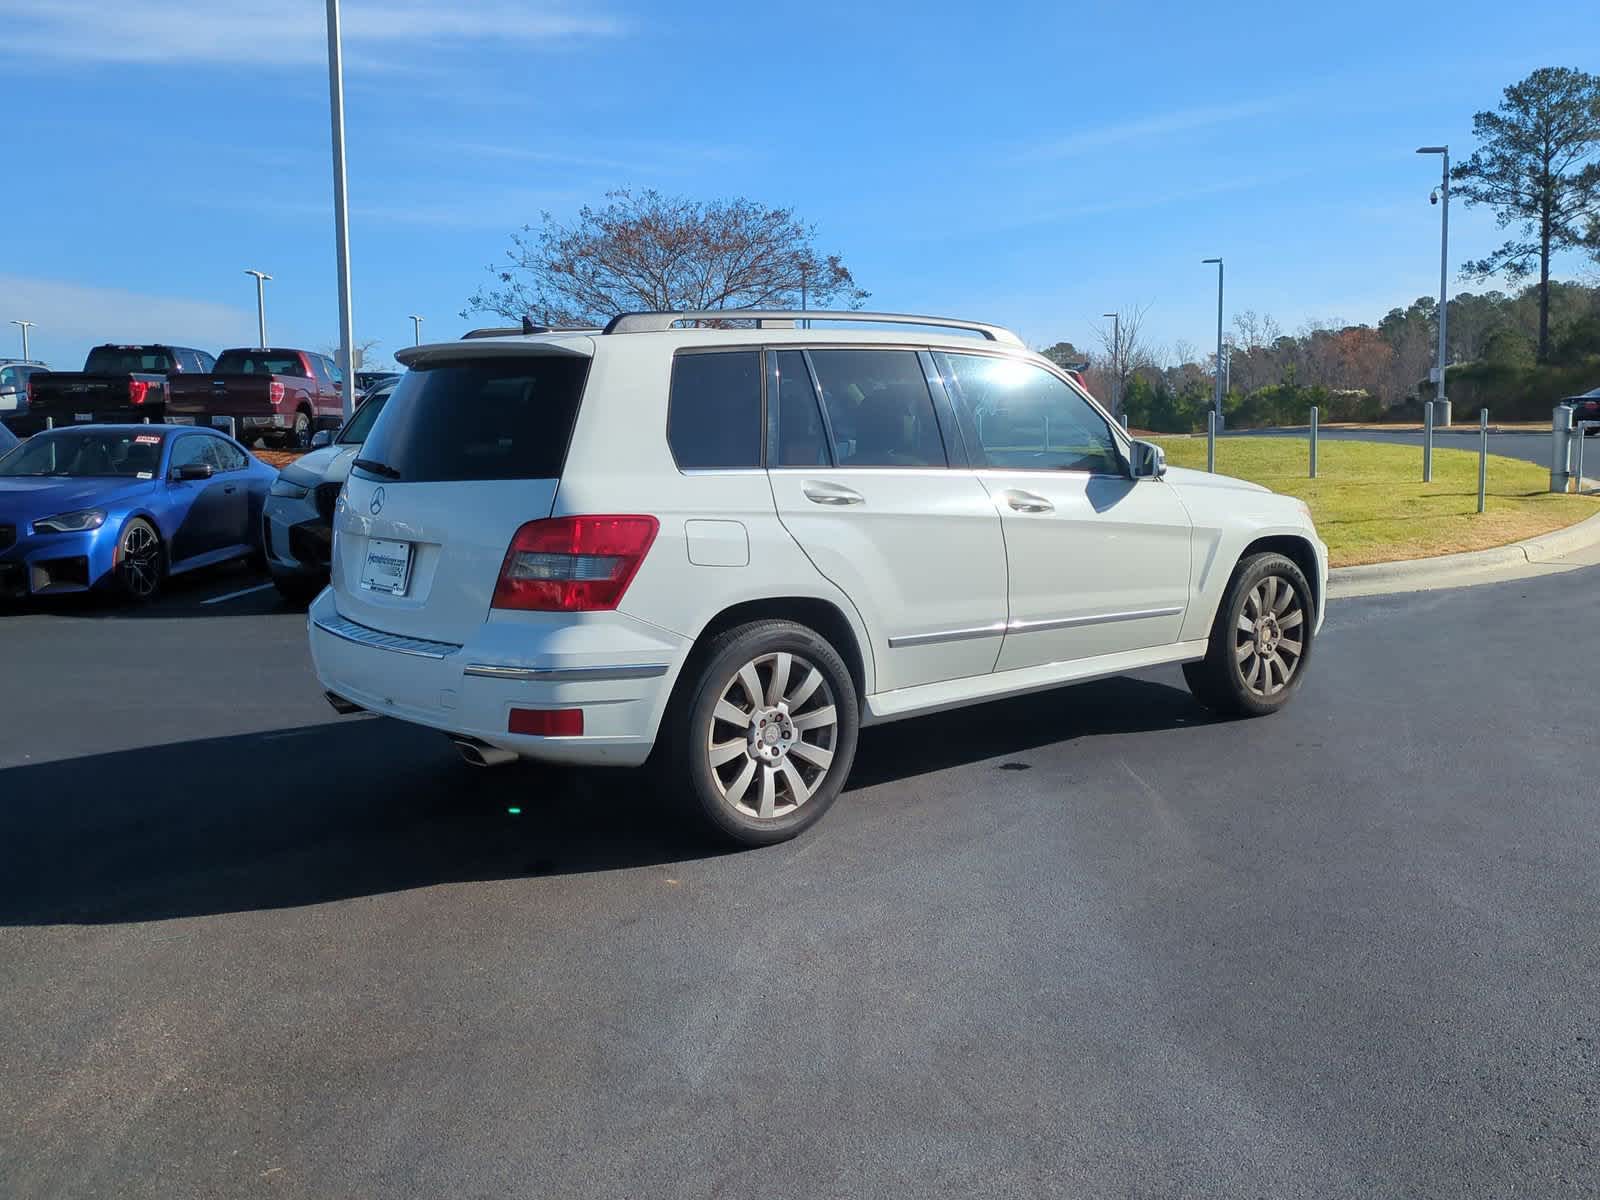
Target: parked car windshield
x,y
127,360
258,362
86,453
478,418
360,425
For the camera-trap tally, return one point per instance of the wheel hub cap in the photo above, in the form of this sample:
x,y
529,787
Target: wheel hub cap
x,y
771,734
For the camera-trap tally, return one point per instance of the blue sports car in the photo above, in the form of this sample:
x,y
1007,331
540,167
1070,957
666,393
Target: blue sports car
x,y
125,506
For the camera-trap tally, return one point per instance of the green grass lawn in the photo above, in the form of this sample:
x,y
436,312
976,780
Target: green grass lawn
x,y
1371,505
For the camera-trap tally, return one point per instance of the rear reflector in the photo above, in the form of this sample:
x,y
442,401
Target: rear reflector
x,y
275,392
573,564
547,722
138,390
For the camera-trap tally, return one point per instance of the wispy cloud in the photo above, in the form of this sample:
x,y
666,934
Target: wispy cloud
x,y
1147,128
280,32
66,310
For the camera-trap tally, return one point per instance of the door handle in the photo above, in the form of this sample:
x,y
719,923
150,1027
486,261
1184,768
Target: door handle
x,y
830,493
1027,502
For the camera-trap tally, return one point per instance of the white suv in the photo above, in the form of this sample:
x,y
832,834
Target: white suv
x,y
733,547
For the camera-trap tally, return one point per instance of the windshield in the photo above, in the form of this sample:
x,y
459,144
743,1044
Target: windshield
x,y
86,453
355,433
259,362
128,360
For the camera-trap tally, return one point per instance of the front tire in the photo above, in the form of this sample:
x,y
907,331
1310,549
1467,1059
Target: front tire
x,y
1260,641
763,736
141,561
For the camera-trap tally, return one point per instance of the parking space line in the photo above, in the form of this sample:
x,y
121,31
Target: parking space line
x,y
249,591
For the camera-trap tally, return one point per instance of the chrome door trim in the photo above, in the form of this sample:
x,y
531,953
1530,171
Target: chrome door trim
x,y
1009,627
566,674
1092,619
946,635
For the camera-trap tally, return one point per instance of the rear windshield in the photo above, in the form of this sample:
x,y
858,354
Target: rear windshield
x,y
258,362
128,360
502,418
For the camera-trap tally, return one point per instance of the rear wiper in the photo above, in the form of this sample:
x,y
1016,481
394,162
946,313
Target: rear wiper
x,y
377,468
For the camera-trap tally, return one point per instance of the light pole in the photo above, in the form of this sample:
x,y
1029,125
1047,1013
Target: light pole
x,y
24,326
261,306
1218,386
1116,362
1441,406
341,207
416,330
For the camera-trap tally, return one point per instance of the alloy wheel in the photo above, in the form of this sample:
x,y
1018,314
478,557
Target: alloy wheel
x,y
773,735
1269,638
140,561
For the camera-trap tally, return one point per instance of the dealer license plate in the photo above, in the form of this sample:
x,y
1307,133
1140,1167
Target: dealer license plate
x,y
387,567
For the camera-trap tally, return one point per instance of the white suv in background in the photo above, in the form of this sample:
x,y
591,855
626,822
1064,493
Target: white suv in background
x,y
733,547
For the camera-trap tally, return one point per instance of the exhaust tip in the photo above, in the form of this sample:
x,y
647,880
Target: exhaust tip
x,y
481,754
342,706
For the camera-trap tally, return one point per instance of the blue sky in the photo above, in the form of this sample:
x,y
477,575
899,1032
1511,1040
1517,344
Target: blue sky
x,y
1032,164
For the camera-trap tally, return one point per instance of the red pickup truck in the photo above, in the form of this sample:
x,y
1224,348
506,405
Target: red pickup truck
x,y
281,395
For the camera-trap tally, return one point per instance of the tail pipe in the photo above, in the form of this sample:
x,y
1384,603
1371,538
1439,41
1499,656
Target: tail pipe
x,y
481,754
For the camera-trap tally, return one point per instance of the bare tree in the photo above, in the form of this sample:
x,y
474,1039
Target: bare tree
x,y
644,250
1123,349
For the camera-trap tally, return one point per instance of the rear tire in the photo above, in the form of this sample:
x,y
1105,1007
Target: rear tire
x,y
762,734
300,438
1260,641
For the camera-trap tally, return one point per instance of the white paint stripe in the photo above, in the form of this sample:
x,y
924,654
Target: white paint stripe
x,y
249,591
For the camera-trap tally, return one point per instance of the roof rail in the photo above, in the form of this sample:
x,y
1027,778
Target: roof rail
x,y
527,329
657,322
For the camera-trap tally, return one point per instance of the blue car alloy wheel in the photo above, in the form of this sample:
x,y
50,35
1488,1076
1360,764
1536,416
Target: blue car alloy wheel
x,y
139,560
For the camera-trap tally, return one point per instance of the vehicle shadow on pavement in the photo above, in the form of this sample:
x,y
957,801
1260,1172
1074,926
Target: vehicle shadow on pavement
x,y
364,807
181,596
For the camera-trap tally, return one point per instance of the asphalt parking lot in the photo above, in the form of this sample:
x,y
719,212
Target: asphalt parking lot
x,y
1090,943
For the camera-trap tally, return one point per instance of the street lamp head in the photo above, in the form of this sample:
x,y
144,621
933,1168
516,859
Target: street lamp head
x,y
1210,260
1433,149
258,274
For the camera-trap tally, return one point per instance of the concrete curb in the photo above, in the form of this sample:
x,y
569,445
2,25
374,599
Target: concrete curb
x,y
1541,549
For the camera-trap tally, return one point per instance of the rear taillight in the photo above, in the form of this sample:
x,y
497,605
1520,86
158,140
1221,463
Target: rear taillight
x,y
546,722
138,389
30,391
275,392
573,564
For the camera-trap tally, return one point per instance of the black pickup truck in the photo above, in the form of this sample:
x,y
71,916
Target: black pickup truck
x,y
117,384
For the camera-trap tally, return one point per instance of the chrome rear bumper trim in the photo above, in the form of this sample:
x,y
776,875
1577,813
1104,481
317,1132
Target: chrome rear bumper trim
x,y
566,674
361,635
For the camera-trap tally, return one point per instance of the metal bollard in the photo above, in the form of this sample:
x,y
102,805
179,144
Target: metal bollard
x,y
1483,455
1560,448
1211,440
1124,422
1427,443
49,422
1577,473
1313,441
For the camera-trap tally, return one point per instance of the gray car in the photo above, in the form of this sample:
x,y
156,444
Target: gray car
x,y
14,376
297,522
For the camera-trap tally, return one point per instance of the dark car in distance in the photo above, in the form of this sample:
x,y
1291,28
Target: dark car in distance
x,y
117,383
1585,407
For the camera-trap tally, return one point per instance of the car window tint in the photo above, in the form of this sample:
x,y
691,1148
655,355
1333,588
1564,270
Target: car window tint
x,y
223,455
879,410
802,440
190,450
259,362
128,360
714,414
1028,419
500,418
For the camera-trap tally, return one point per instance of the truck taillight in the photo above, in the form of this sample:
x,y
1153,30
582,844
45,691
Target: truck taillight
x,y
138,390
573,564
275,392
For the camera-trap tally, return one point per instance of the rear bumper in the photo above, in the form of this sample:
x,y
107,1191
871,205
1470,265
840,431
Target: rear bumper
x,y
617,669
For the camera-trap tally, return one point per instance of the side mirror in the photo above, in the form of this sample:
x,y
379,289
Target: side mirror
x,y
192,471
1149,461
322,437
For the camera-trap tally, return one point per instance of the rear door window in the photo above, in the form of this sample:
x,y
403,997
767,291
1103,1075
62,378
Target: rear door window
x,y
879,411
714,414
802,438
500,418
